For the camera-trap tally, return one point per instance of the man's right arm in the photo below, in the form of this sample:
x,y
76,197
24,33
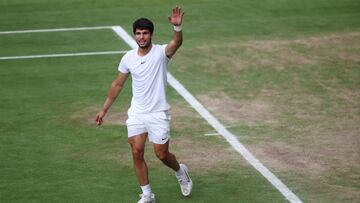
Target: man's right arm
x,y
114,90
176,19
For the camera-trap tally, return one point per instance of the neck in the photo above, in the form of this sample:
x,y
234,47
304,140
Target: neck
x,y
142,51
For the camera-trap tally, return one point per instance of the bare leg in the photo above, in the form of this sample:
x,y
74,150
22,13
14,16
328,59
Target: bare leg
x,y
169,159
137,144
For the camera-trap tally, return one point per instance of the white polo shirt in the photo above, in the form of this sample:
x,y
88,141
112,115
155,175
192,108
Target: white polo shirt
x,y
148,79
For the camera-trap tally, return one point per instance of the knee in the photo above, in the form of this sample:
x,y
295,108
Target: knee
x,y
162,155
138,154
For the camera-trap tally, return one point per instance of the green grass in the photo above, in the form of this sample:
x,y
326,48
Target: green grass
x,y
299,59
61,42
48,156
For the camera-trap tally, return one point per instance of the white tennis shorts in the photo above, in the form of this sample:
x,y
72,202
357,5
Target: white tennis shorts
x,y
157,125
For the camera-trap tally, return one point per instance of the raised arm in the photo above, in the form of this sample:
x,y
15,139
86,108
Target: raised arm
x,y
176,19
114,90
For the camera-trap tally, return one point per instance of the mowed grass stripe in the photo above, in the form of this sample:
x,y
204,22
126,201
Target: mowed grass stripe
x,y
44,43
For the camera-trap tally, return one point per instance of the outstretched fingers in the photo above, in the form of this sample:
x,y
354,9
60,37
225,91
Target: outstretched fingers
x,y
178,11
176,16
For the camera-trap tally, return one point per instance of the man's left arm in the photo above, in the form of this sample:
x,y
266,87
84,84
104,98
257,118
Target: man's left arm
x,y
175,19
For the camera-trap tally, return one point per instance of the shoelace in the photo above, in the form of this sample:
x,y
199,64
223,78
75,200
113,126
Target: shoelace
x,y
183,179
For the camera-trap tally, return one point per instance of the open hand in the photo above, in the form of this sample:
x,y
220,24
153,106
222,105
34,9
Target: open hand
x,y
176,17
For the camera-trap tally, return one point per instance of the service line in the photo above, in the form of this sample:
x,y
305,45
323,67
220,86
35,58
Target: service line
x,y
62,55
55,30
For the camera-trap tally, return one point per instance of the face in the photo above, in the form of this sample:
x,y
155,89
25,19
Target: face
x,y
143,37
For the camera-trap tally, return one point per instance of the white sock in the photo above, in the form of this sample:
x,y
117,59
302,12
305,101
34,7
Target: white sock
x,y
180,172
146,189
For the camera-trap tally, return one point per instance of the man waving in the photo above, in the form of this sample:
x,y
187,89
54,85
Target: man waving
x,y
148,115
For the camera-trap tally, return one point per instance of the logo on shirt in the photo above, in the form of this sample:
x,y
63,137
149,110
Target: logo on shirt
x,y
142,62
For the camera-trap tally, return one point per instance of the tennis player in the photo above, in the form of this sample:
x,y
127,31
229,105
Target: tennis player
x,y
148,115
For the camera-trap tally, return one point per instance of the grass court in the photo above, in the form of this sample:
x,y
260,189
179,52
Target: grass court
x,y
282,75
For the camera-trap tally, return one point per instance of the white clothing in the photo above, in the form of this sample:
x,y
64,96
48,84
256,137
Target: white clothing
x,y
148,79
156,124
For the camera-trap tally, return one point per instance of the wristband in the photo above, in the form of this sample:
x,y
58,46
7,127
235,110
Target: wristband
x,y
177,28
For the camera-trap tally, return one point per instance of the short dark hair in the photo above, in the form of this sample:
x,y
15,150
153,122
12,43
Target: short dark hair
x,y
143,23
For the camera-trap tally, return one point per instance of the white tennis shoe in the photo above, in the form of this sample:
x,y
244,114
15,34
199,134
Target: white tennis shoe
x,y
147,198
185,181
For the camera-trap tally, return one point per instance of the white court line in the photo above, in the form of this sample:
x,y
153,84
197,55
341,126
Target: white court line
x,y
59,55
62,55
211,134
55,30
229,137
125,36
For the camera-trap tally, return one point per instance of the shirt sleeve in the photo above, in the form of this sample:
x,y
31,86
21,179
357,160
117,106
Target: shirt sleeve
x,y
163,47
123,65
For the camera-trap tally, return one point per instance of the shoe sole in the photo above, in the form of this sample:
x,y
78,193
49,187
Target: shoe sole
x,y
153,198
